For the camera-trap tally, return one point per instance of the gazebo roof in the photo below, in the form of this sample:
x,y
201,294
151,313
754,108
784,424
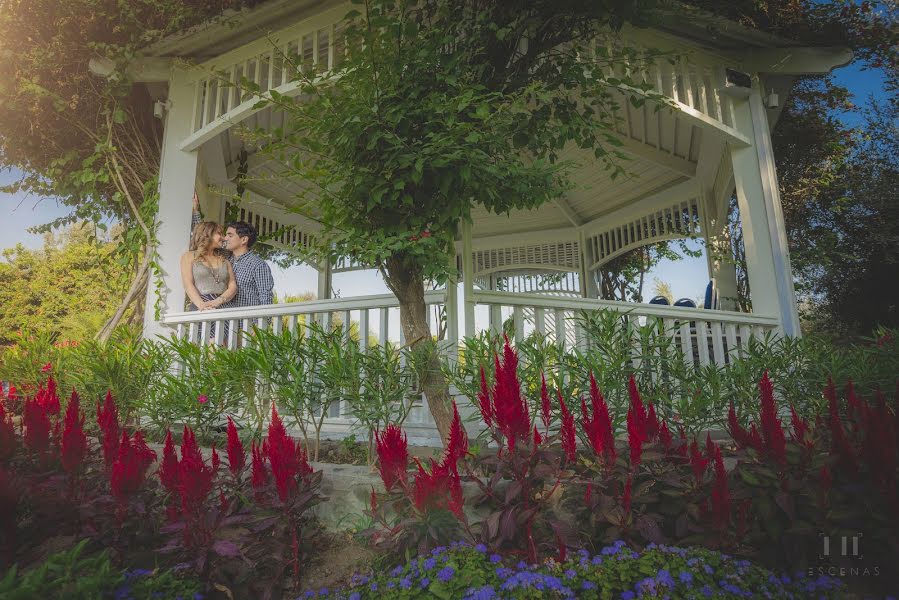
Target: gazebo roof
x,y
234,28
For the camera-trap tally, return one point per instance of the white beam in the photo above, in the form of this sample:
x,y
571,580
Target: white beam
x,y
761,215
796,61
177,178
467,279
682,191
139,70
662,158
569,212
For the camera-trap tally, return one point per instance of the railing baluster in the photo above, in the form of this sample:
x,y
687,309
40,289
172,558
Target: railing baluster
x,y
686,340
363,329
496,319
540,320
232,334
219,332
292,324
560,327
717,344
518,318
346,325
382,327
732,350
180,331
702,340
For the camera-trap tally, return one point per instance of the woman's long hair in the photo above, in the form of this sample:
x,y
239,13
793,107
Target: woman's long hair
x,y
201,240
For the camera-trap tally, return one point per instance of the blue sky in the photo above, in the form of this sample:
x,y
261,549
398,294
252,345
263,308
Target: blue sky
x,y
687,277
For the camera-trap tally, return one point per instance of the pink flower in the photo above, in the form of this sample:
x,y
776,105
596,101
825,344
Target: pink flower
x,y
202,399
47,368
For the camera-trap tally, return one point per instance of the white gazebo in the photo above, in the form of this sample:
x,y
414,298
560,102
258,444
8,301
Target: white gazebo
x,y
686,162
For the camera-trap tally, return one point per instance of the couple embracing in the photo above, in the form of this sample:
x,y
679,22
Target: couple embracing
x,y
229,274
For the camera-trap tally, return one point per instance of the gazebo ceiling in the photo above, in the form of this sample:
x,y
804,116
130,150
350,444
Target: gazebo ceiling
x,y
662,151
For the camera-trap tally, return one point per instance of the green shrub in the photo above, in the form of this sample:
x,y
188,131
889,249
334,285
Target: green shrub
x,y
73,575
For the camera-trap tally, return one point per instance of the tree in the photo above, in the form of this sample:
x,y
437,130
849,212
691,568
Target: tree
x,y
67,288
438,107
92,143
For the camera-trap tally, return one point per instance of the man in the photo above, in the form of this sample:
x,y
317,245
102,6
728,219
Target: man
x,y
252,274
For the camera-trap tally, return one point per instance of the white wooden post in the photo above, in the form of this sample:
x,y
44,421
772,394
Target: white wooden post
x,y
452,312
324,290
468,279
588,282
764,234
177,179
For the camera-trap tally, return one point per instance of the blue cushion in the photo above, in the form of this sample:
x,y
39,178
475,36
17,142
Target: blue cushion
x,y
685,302
660,300
708,296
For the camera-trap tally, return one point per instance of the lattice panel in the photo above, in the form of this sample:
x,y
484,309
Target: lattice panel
x,y
680,220
275,231
555,256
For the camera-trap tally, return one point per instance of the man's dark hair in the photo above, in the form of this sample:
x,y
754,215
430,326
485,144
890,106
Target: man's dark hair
x,y
244,229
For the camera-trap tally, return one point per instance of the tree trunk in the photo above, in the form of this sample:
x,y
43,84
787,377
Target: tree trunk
x,y
406,281
136,291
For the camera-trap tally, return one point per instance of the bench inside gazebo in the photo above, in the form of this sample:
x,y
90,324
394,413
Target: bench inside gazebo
x,y
685,163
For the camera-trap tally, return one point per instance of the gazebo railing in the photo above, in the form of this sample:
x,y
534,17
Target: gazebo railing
x,y
704,336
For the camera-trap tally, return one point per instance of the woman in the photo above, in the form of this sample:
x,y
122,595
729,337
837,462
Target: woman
x,y
208,278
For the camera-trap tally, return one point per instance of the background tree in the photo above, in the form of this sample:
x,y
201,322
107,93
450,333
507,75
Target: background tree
x,y
67,288
91,143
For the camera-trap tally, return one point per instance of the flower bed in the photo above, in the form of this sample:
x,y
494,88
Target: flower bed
x,y
473,573
559,484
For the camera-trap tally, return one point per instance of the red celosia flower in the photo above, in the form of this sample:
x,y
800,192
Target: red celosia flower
x,y
720,492
665,436
484,404
168,470
47,368
709,447
373,500
509,410
772,433
439,488
588,494
237,458
800,432
599,427
652,423
216,461
879,446
839,443
626,497
260,472
11,394
537,439
108,420
545,409
129,470
737,432
457,444
282,455
697,461
7,436
567,432
563,551
48,397
73,445
36,423
393,456
640,417
634,437
195,477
